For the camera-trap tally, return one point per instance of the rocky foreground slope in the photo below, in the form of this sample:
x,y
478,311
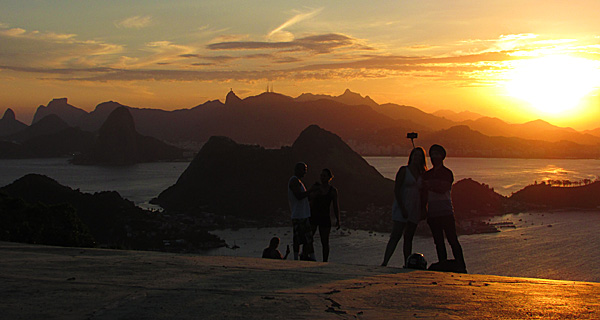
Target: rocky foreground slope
x,y
40,282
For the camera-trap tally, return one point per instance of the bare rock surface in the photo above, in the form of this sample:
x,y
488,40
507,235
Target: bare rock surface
x,y
43,282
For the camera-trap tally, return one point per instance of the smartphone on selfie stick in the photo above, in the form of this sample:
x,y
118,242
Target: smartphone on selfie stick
x,y
412,136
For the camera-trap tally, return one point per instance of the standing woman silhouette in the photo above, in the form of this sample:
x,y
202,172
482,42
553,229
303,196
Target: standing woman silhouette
x,y
320,208
408,208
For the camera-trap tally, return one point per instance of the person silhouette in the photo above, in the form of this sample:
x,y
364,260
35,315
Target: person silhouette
x,y
408,207
320,204
271,252
440,213
300,208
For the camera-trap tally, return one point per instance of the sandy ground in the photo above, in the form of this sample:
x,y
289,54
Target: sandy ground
x,y
41,282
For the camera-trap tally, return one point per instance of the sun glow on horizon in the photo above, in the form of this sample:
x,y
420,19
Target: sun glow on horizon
x,y
553,84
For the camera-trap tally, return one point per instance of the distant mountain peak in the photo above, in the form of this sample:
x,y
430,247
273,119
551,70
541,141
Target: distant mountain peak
x,y
119,118
349,94
9,115
538,121
58,101
232,98
61,107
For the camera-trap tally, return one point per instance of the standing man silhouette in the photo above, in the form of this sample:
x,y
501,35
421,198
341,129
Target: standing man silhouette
x,y
440,213
300,208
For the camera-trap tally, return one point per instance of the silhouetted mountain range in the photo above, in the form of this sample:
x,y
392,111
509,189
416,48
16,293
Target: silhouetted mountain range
x,y
60,107
533,130
49,137
457,116
274,120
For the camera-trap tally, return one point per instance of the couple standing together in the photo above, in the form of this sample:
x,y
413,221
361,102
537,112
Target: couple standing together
x,y
421,194
310,216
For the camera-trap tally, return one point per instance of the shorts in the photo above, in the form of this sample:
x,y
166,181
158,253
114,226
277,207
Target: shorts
x,y
302,231
323,221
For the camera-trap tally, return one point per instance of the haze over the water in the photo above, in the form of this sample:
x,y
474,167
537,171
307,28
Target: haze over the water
x,y
515,60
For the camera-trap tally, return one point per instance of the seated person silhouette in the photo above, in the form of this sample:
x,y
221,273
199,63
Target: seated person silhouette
x,y
271,252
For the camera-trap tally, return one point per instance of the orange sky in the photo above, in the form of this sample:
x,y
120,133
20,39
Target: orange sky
x,y
517,60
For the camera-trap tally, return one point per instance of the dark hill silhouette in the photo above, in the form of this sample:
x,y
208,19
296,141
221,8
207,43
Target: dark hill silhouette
x,y
112,220
61,108
48,125
57,225
11,150
118,143
472,199
9,124
550,197
64,143
249,181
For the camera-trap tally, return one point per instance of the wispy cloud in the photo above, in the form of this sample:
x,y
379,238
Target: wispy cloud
x,y
161,52
324,43
216,59
48,49
295,19
135,22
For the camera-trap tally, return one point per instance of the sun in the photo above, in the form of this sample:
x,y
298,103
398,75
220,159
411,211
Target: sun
x,y
553,84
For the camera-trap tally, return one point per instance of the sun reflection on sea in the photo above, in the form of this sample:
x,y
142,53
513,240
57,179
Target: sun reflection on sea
x,y
550,169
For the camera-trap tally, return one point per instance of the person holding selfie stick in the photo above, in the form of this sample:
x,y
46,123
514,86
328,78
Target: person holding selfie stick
x,y
407,209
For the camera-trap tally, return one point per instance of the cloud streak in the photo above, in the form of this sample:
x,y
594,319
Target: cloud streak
x,y
324,43
135,22
294,20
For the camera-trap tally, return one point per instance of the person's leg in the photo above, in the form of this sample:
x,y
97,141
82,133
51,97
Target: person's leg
x,y
450,230
409,233
314,227
296,239
395,236
437,231
308,247
324,231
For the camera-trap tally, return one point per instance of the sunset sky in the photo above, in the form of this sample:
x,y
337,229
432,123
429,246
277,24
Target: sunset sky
x,y
517,60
